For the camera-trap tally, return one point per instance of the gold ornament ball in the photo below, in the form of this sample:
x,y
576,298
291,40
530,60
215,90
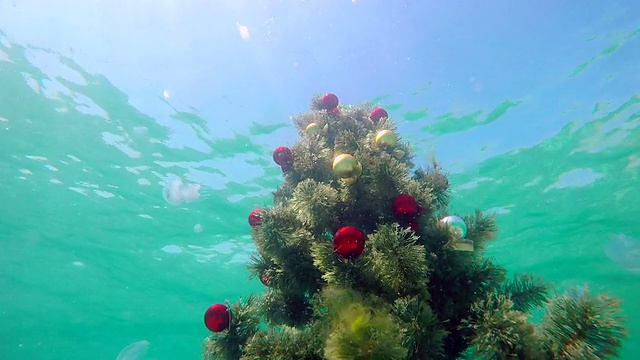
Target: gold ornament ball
x,y
358,169
386,138
312,128
344,166
356,174
350,181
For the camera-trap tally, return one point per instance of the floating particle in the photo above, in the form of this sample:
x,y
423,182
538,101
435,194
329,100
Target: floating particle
x,y
197,228
243,30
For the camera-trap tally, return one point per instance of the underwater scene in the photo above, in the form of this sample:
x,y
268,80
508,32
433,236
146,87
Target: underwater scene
x,y
340,179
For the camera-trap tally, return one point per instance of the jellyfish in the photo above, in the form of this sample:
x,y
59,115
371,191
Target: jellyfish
x,y
190,192
624,251
176,192
134,351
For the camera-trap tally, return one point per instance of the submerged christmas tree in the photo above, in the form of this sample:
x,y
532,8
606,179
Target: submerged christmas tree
x,y
361,260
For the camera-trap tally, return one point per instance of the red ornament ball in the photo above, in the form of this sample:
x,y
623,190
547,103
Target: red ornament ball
x,y
377,114
348,242
414,226
283,156
406,206
265,279
217,317
330,102
255,218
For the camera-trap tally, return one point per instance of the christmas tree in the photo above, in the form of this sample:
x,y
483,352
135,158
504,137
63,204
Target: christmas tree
x,y
361,260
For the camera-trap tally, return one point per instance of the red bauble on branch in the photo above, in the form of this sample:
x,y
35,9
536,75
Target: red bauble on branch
x,y
406,207
348,242
407,210
330,102
414,225
265,279
377,114
217,317
255,218
283,156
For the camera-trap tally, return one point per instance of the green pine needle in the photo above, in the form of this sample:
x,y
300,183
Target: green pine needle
x,y
280,308
364,332
424,337
244,324
397,262
480,228
580,323
284,343
436,180
500,332
314,204
526,291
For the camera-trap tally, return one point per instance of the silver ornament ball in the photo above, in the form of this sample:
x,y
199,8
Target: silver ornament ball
x,y
457,224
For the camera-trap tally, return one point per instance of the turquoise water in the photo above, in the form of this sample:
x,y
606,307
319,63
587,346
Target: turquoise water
x,y
534,110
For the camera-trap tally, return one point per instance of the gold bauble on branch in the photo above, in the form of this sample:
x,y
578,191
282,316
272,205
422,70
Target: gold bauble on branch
x,y
312,129
358,169
356,174
398,154
386,138
344,166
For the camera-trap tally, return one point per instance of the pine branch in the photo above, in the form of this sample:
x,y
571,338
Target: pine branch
x,y
500,332
284,343
278,225
259,266
280,308
385,175
484,276
244,324
480,228
397,262
457,281
283,193
526,292
312,159
348,273
302,120
314,204
361,328
580,323
435,179
360,331
423,194
424,337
